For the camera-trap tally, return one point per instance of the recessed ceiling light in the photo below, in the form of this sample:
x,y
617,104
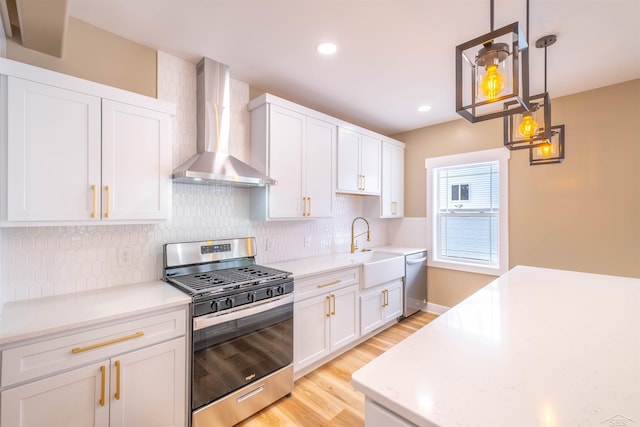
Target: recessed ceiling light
x,y
326,48
424,108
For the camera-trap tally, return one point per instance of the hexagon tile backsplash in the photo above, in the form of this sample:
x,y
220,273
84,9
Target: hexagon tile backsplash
x,y
44,261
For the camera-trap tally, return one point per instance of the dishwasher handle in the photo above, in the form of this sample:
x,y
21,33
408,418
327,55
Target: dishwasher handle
x,y
416,261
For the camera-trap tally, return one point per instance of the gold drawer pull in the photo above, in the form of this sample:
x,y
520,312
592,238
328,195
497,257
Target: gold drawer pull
x,y
94,212
117,393
335,282
107,214
105,343
328,306
103,371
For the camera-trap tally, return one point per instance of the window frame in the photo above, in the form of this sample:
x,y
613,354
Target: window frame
x,y
502,156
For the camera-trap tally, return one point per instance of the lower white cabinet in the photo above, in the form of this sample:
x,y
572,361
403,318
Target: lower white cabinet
x,y
380,305
326,316
142,383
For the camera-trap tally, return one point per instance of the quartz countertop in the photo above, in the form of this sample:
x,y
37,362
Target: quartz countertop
x,y
21,320
536,347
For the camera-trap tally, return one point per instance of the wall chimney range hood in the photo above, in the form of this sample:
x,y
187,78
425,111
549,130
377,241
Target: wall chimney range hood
x,y
212,164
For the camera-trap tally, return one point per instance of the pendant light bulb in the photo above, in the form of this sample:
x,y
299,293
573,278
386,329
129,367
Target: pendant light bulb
x,y
492,83
545,150
528,127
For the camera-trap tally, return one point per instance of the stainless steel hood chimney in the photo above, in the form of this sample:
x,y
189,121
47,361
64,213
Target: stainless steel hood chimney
x,y
213,165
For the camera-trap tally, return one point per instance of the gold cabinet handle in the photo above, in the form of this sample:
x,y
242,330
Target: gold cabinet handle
x,y
117,393
309,210
385,296
94,212
364,182
103,379
108,190
304,206
105,343
335,282
333,298
328,306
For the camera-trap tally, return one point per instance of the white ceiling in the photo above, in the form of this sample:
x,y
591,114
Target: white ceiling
x,y
393,55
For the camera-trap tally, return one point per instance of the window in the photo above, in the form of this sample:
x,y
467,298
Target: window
x,y
467,205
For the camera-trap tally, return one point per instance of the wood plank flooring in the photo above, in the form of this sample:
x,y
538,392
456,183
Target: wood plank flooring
x,y
325,397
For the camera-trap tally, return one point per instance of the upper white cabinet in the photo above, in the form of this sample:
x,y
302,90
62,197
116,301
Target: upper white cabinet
x,y
390,204
79,152
359,163
392,195
298,151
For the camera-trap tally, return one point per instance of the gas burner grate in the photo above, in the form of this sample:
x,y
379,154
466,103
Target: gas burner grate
x,y
226,279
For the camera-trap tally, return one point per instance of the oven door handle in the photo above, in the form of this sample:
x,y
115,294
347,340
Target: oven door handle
x,y
213,319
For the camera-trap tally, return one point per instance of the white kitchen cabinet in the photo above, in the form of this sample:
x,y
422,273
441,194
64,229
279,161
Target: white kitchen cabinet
x,y
380,305
392,194
75,156
298,151
326,316
71,399
129,373
358,162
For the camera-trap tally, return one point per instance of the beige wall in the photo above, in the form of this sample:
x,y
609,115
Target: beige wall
x,y
97,55
583,214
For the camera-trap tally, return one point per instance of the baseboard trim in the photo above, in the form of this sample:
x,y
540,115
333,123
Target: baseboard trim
x,y
436,309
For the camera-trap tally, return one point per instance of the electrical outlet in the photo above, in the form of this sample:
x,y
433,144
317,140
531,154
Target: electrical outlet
x,y
307,241
124,256
268,243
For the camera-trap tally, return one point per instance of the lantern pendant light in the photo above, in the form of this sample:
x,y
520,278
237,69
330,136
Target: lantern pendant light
x,y
491,70
532,128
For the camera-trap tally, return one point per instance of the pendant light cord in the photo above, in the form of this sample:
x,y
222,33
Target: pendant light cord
x,y
491,12
545,68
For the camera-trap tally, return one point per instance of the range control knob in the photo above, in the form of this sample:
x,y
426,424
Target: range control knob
x,y
215,306
251,296
228,303
269,292
280,290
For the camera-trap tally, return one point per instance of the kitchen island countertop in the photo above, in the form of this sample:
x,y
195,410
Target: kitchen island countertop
x,y
21,320
536,347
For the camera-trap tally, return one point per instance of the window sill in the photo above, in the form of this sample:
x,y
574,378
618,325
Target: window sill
x,y
470,268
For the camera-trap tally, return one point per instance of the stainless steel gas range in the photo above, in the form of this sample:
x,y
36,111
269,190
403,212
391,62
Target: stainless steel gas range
x,y
242,328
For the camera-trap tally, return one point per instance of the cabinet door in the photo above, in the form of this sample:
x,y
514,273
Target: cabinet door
x,y
311,330
319,170
345,317
393,308
392,193
53,153
72,399
286,134
136,162
148,386
371,308
370,164
349,179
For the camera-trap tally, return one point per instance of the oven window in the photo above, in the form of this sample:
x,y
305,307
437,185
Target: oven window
x,y
230,355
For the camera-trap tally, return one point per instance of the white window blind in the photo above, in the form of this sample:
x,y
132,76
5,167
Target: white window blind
x,y
468,229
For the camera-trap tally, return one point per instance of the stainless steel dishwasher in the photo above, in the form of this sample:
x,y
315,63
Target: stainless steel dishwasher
x,y
415,283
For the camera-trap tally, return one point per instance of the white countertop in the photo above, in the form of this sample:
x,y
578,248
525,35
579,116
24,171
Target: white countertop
x,y
399,250
536,347
31,318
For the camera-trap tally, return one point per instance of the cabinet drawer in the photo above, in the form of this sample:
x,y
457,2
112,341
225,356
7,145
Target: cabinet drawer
x,y
48,356
323,283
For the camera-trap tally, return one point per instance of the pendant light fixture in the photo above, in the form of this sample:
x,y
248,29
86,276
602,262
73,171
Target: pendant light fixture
x,y
531,128
490,70
551,150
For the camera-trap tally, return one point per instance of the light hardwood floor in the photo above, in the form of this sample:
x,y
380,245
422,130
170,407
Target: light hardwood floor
x,y
325,397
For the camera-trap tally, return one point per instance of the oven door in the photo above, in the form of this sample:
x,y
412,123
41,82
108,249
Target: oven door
x,y
233,349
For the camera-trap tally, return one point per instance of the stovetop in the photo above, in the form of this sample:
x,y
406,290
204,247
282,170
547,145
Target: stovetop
x,y
223,280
